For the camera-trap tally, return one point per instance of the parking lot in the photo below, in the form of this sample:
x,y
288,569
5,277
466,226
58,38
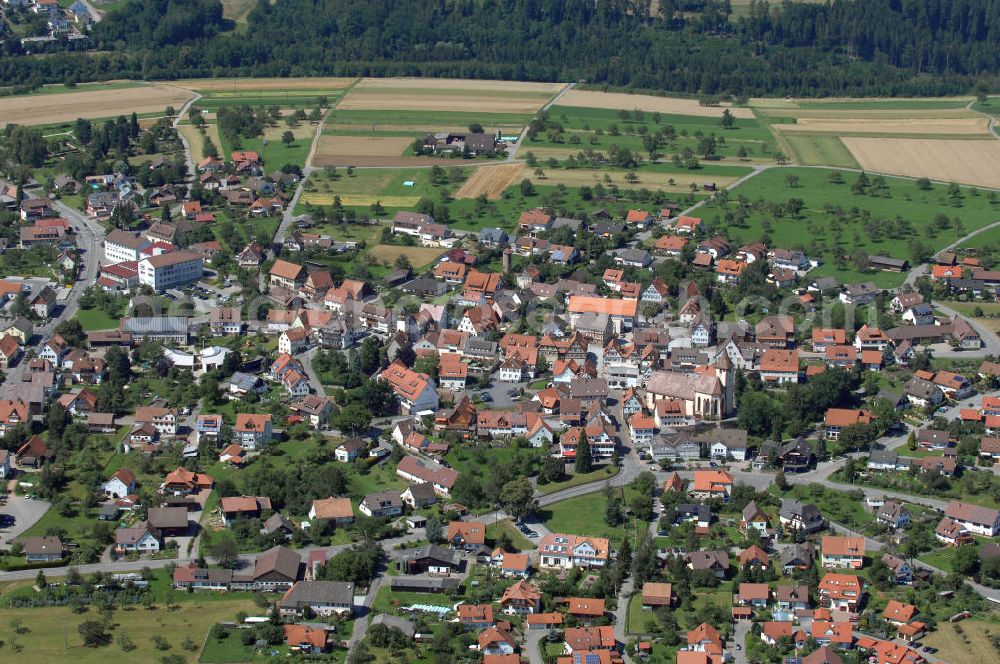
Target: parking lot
x,y
25,513
499,395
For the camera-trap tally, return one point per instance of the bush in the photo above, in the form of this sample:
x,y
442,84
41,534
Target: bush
x,y
125,643
93,634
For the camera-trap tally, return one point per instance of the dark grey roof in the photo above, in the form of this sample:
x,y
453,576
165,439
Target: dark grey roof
x,y
438,553
566,222
480,345
708,559
734,439
967,284
277,521
920,388
891,396
593,387
167,517
635,256
887,260
607,227
803,552
423,285
278,559
883,457
805,511
306,593
426,583
702,512
423,491
495,235
392,622
826,283
863,288
244,381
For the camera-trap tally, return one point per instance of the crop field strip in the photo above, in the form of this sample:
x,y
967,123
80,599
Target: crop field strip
x,y
239,85
647,103
448,95
818,150
968,162
92,103
491,180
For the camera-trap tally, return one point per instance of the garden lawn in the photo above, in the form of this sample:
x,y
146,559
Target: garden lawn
x,y
231,651
583,515
386,601
77,524
966,642
95,319
480,460
639,617
605,472
380,477
838,506
520,542
52,635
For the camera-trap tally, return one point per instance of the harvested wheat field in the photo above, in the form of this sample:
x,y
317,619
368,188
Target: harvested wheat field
x,y
418,256
67,106
491,180
341,150
837,114
431,101
965,161
959,126
419,130
422,94
649,103
514,87
229,85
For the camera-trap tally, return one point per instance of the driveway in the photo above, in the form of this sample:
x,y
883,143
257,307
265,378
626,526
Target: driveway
x,y
25,512
533,644
740,633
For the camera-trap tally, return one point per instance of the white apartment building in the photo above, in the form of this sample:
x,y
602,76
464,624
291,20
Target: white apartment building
x,y
121,246
170,270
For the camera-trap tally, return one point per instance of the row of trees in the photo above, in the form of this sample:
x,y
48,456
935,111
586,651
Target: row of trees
x,y
849,47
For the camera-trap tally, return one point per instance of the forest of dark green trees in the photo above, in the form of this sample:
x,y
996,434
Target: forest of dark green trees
x,y
840,48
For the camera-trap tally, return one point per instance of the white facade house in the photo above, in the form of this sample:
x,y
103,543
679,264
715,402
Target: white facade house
x,y
171,270
568,551
121,246
121,484
252,430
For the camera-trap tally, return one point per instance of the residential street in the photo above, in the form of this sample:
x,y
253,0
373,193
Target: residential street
x,y
247,559
90,235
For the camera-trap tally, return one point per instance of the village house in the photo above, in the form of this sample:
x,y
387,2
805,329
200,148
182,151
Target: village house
x,y
567,551
842,552
321,598
840,591
336,510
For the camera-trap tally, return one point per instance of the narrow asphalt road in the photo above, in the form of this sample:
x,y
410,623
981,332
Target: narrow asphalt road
x,y
89,237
